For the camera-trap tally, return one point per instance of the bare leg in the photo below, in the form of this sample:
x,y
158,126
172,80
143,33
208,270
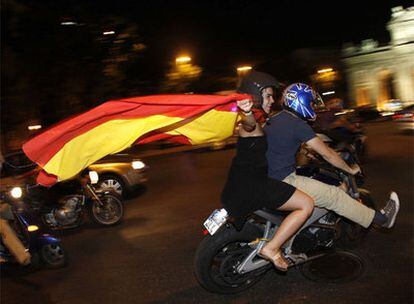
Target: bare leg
x,y
301,206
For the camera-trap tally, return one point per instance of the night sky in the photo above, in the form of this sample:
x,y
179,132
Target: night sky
x,y
43,60
222,32
236,31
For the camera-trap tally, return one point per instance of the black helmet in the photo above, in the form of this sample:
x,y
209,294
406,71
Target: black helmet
x,y
255,82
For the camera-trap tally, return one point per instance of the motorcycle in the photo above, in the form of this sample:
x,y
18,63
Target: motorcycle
x,y
344,132
227,260
103,206
44,248
339,137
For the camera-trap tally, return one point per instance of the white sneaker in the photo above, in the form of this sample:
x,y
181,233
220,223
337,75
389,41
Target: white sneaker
x,y
391,210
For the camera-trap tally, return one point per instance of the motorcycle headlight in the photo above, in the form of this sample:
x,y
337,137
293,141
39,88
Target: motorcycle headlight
x,y
94,177
138,165
16,192
32,228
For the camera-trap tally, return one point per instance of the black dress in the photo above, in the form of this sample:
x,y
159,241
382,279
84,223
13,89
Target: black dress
x,y
248,188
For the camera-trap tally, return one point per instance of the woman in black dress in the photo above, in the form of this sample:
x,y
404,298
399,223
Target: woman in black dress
x,y
248,187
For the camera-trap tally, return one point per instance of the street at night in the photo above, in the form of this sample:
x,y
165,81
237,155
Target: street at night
x,y
119,126
148,258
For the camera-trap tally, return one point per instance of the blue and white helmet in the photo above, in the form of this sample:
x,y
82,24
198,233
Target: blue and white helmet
x,y
301,99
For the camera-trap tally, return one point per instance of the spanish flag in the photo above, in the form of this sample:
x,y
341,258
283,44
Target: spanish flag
x,y
70,146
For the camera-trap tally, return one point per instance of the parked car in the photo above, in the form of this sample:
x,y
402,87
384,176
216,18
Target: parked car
x,y
405,118
118,172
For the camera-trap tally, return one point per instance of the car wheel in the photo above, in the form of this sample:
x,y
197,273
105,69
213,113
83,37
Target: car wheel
x,y
113,183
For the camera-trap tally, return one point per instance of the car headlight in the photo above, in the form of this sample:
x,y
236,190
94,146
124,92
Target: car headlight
x,y
137,164
94,177
16,192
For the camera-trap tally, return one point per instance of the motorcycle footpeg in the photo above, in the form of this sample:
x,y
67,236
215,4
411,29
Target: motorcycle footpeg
x,y
295,259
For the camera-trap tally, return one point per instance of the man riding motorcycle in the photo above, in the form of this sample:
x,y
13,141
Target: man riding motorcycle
x,y
285,133
7,233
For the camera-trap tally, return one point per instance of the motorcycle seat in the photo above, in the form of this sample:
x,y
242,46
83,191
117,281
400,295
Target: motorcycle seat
x,y
272,215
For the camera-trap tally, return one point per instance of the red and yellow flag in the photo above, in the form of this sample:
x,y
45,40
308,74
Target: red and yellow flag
x,y
67,148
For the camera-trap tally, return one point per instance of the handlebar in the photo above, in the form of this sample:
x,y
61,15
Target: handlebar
x,y
350,180
15,204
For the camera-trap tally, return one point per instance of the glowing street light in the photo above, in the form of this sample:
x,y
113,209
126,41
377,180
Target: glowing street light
x,y
68,23
183,59
325,70
108,33
244,68
328,93
34,127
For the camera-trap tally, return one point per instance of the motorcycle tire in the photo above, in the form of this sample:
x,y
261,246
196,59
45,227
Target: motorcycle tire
x,y
113,183
217,257
53,256
353,234
111,213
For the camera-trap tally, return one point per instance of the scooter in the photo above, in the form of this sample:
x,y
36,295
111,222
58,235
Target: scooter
x,y
45,249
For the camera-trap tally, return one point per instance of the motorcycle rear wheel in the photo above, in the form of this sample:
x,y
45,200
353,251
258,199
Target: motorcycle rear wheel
x,y
218,256
111,211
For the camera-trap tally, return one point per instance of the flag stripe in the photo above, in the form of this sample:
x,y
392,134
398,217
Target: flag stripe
x,y
91,146
67,148
42,148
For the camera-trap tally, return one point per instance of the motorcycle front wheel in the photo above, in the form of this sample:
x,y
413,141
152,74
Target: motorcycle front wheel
x,y
110,212
53,256
218,256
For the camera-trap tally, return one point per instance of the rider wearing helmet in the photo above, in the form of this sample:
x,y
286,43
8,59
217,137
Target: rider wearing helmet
x,y
262,87
301,99
248,188
287,131
254,83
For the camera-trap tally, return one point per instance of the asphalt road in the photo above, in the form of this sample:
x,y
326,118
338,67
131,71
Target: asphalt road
x,y
149,257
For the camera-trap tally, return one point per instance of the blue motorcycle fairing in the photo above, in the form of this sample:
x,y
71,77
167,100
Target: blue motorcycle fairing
x,y
46,239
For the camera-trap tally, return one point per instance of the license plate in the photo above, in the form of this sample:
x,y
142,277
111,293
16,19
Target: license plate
x,y
216,220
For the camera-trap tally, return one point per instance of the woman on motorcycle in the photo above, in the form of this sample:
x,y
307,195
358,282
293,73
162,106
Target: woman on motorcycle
x,y
248,188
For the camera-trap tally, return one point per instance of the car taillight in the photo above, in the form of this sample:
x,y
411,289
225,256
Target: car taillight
x,y
205,232
403,116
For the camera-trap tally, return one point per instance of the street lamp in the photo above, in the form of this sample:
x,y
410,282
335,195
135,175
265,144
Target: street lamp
x,y
326,70
244,68
34,127
183,59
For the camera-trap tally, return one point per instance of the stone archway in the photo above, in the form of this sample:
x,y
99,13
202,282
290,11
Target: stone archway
x,y
386,87
363,96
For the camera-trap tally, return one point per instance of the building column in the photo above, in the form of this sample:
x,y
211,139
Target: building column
x,y
404,83
374,84
352,88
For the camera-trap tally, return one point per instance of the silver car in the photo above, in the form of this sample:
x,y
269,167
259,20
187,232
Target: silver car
x,y
120,173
